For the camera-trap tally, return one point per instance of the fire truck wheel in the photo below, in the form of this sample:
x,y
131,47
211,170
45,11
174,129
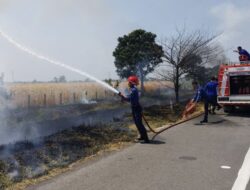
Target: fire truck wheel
x,y
229,109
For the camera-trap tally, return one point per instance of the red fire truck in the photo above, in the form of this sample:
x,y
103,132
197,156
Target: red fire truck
x,y
234,86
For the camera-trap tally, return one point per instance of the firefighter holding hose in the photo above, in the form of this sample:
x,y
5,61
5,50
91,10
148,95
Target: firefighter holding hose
x,y
133,98
200,95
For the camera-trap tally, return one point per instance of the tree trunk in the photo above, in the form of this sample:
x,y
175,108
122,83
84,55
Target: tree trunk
x,y
176,85
177,94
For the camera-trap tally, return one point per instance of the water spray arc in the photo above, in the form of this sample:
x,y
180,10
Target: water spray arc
x,y
39,56
31,52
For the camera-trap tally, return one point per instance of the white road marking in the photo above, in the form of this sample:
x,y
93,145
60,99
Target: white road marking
x,y
243,174
226,167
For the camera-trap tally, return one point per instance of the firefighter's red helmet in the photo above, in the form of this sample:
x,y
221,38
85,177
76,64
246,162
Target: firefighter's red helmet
x,y
133,80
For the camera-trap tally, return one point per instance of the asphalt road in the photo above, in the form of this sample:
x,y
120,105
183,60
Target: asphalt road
x,y
186,157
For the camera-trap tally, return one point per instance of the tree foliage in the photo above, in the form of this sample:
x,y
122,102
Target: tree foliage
x,y
137,52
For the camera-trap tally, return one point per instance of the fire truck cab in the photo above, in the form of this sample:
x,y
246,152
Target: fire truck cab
x,y
234,86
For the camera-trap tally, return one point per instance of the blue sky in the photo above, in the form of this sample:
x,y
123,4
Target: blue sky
x,y
84,33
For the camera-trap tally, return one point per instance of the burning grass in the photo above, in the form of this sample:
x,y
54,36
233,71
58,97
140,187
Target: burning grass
x,y
28,159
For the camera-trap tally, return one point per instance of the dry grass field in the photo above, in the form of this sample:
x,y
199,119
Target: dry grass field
x,y
51,94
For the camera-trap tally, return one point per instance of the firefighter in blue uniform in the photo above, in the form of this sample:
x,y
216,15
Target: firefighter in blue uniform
x,y
133,98
200,95
244,55
211,91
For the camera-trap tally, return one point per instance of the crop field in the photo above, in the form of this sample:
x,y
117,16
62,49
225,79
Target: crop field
x,y
51,94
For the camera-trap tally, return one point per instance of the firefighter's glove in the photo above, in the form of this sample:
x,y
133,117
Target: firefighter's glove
x,y
122,97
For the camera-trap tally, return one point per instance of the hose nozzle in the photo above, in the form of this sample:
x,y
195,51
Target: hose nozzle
x,y
120,94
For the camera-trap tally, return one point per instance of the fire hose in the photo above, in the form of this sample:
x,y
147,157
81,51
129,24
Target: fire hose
x,y
157,132
189,108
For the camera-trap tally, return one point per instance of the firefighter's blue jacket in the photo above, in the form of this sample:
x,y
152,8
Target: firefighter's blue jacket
x,y
200,95
211,89
133,97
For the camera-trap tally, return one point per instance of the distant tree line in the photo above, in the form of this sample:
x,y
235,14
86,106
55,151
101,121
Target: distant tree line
x,y
60,79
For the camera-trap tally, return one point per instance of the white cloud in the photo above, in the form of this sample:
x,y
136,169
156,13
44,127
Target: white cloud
x,y
230,15
233,21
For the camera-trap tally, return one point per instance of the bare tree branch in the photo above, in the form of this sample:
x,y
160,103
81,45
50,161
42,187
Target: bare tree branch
x,y
185,50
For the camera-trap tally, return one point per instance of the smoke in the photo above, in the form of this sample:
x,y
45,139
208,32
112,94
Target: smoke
x,y
86,101
11,126
12,130
23,138
18,124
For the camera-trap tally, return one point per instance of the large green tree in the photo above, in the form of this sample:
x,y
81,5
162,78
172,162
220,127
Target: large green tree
x,y
137,53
